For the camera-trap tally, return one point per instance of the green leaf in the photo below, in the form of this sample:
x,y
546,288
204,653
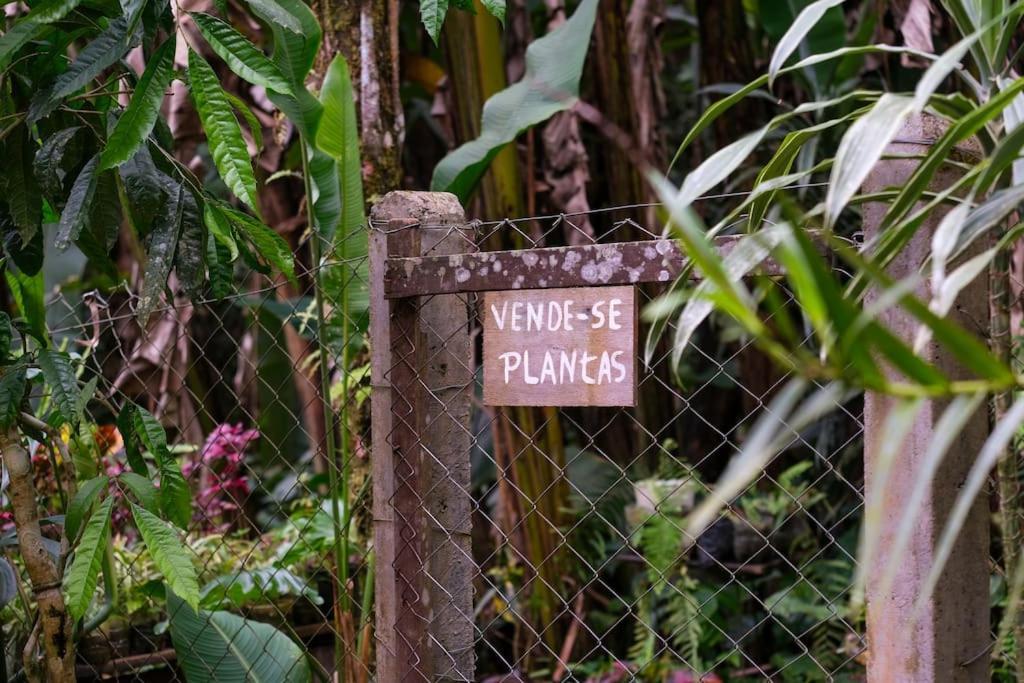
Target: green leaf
x,y
241,56
496,8
17,37
338,136
60,377
49,11
218,266
717,109
175,495
58,155
861,148
433,12
163,242
19,182
295,49
277,13
132,442
168,553
137,121
27,292
271,246
804,22
81,577
219,227
143,489
224,647
551,84
255,128
80,507
223,133
76,212
150,432
717,167
99,55
188,260
12,388
143,187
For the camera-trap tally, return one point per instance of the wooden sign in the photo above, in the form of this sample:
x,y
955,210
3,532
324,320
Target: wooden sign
x,y
560,347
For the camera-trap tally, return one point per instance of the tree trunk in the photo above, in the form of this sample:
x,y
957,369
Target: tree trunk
x,y
42,570
366,33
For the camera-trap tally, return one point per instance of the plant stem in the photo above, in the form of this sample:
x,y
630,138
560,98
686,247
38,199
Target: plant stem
x,y
337,487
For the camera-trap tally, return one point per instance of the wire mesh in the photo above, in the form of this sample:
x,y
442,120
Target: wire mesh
x,y
581,567
235,381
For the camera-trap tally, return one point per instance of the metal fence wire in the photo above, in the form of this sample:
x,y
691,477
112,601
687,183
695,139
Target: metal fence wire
x,y
570,521
532,544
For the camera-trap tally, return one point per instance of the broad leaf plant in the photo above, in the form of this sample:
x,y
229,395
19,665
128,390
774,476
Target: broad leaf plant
x,y
87,147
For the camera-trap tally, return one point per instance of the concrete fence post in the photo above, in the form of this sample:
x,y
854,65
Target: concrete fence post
x,y
948,643
422,378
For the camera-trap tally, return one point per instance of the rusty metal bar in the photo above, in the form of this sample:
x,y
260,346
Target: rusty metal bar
x,y
578,266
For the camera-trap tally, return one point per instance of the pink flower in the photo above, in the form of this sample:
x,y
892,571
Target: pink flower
x,y
220,468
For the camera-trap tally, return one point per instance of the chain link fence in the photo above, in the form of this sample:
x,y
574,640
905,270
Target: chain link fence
x,y
236,383
529,544
571,520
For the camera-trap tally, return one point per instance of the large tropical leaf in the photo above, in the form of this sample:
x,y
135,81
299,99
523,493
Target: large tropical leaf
x,y
138,119
295,44
168,553
224,647
28,294
338,136
80,579
551,84
223,132
241,56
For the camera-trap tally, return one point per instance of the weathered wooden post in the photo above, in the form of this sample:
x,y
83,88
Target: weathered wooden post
x,y
422,378
949,641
